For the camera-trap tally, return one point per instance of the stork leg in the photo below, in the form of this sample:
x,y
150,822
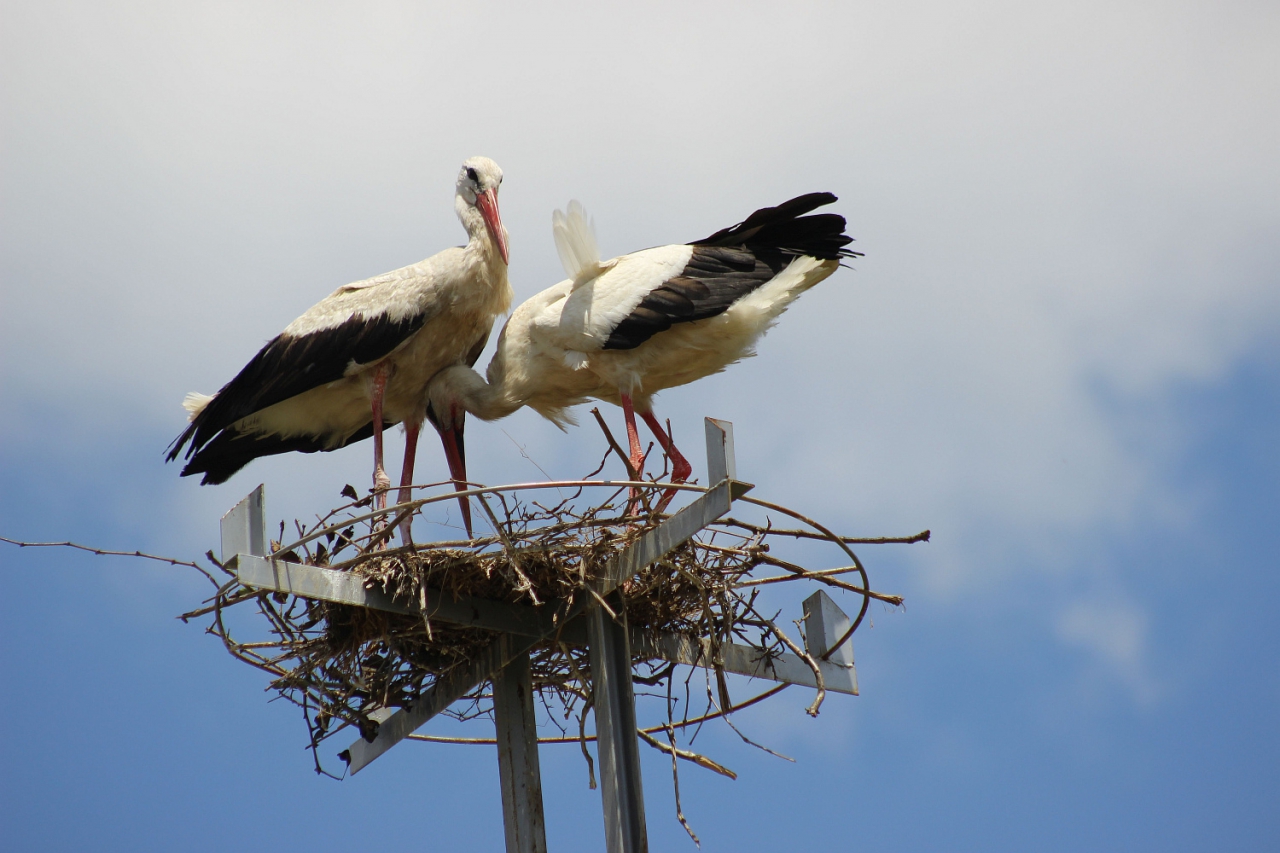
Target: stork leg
x,y
456,454
381,482
637,453
680,467
411,429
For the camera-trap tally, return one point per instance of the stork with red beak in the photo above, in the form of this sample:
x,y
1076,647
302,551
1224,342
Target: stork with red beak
x,y
360,359
622,330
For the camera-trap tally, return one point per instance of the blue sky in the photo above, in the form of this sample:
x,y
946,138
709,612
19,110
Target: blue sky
x,y
1061,354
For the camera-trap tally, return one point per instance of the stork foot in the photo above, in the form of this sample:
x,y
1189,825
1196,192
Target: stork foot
x,y
634,496
381,483
637,453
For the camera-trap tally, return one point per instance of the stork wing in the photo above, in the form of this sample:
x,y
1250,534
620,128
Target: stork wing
x,y
713,279
733,262
229,451
291,364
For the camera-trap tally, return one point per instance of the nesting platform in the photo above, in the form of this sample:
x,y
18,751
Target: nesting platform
x,y
576,583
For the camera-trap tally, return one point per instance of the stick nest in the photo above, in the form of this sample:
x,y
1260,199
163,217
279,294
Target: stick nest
x,y
347,667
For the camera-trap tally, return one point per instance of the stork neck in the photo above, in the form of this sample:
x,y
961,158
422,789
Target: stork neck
x,y
480,242
464,386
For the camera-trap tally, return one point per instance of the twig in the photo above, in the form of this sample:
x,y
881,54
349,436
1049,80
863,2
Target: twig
x,y
798,572
675,782
922,536
866,582
526,455
526,585
812,710
488,741
700,760
103,552
582,716
632,474
728,719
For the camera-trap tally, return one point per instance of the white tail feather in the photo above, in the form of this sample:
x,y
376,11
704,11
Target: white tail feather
x,y
576,242
194,403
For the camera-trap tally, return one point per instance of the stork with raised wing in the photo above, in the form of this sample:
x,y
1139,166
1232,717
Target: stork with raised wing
x,y
623,330
360,359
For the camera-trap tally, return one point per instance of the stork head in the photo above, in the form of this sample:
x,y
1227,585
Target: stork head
x,y
478,183
446,414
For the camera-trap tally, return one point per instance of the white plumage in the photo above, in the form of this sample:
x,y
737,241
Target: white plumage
x,y
361,358
624,330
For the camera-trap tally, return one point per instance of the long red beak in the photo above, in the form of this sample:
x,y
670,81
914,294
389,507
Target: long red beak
x,y
455,452
488,204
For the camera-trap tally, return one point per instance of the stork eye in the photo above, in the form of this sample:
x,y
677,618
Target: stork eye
x,y
471,173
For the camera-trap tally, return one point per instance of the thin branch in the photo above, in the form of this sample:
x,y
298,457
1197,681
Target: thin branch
x,y
103,552
695,721
922,536
632,474
700,760
798,572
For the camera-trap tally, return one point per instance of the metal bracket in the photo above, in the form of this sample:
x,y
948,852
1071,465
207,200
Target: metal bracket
x,y
824,625
244,527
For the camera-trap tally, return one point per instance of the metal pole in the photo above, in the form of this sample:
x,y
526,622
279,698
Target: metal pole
x,y
615,710
517,734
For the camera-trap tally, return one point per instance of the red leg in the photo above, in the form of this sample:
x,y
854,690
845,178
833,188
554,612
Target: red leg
x,y
633,436
637,453
455,452
406,477
680,467
380,478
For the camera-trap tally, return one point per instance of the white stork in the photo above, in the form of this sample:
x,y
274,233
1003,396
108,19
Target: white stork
x,y
360,359
622,330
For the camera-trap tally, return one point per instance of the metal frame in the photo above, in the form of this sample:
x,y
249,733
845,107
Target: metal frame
x,y
518,771
621,788
345,588
580,622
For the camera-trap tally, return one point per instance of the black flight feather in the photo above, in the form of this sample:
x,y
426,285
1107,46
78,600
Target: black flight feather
x,y
733,262
230,451
288,366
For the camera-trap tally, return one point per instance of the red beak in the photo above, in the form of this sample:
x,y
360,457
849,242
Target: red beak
x,y
488,204
455,452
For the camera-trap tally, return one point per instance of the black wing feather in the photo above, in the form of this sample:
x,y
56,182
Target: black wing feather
x,y
288,366
230,451
733,262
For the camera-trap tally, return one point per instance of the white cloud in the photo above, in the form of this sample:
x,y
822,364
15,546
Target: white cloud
x,y
1066,212
1115,633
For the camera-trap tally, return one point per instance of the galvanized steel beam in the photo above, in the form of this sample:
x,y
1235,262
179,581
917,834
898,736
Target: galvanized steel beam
x,y
518,771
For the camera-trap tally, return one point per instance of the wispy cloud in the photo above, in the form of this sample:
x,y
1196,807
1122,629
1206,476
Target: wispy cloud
x,y
1115,633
